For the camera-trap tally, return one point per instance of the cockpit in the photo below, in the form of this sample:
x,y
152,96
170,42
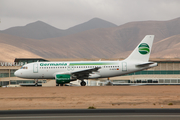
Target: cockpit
x,y
24,67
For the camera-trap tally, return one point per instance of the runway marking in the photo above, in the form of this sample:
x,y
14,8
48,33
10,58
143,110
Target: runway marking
x,y
110,116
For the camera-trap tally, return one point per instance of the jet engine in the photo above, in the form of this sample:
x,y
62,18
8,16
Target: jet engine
x,y
63,78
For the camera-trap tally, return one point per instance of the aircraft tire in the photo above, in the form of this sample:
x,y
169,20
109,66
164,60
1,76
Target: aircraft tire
x,y
83,83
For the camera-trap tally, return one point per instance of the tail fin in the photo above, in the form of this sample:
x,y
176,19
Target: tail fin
x,y
143,50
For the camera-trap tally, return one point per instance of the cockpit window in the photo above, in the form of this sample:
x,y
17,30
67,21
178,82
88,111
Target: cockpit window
x,y
24,67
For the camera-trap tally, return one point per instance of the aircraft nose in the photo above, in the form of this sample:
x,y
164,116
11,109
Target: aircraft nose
x,y
17,73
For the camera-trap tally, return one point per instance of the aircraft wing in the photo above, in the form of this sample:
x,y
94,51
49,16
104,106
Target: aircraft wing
x,y
84,73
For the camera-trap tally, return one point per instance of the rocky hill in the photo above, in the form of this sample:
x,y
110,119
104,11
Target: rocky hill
x,y
111,41
41,30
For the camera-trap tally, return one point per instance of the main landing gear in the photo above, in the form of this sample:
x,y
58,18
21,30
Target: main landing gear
x,y
109,83
60,84
83,83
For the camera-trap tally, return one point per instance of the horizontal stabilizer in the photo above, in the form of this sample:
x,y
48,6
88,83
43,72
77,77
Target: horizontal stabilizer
x,y
144,64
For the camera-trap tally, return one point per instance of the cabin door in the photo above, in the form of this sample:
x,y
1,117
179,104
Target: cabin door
x,y
35,68
124,66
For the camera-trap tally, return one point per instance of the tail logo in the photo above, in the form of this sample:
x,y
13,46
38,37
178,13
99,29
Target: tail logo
x,y
144,48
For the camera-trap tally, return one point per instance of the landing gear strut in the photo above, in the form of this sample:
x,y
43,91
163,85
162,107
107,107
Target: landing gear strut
x,y
109,83
83,83
36,82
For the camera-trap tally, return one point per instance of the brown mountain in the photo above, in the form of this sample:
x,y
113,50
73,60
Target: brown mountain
x,y
9,53
167,48
41,30
114,42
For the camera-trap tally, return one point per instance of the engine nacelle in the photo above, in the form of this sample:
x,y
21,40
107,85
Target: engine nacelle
x,y
63,78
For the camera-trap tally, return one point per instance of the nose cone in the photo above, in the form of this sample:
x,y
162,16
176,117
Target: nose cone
x,y
17,73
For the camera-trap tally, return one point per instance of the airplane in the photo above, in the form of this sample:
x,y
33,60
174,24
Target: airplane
x,y
65,72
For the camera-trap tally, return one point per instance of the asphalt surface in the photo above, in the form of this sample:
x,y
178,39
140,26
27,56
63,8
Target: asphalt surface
x,y
89,114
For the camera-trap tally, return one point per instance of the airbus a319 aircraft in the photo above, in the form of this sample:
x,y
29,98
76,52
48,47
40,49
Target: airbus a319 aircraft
x,y
65,72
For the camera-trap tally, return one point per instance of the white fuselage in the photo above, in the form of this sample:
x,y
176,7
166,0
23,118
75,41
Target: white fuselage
x,y
48,70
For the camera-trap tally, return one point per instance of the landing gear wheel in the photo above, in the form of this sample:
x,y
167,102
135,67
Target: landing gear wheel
x,y
61,84
83,83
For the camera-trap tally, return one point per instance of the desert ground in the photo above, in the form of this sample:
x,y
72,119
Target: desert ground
x,y
67,97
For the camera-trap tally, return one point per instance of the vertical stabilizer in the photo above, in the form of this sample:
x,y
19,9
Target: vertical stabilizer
x,y
143,50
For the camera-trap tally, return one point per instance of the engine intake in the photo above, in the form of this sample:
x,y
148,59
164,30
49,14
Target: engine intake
x,y
63,78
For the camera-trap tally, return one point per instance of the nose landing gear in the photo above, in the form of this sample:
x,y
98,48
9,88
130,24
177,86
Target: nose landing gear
x,y
36,82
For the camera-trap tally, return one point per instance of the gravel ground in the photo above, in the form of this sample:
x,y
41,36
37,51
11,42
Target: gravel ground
x,y
67,97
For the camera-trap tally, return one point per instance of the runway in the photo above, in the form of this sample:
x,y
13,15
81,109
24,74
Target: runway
x,y
89,114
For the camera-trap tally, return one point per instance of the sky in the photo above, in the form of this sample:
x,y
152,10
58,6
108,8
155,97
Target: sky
x,y
64,14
